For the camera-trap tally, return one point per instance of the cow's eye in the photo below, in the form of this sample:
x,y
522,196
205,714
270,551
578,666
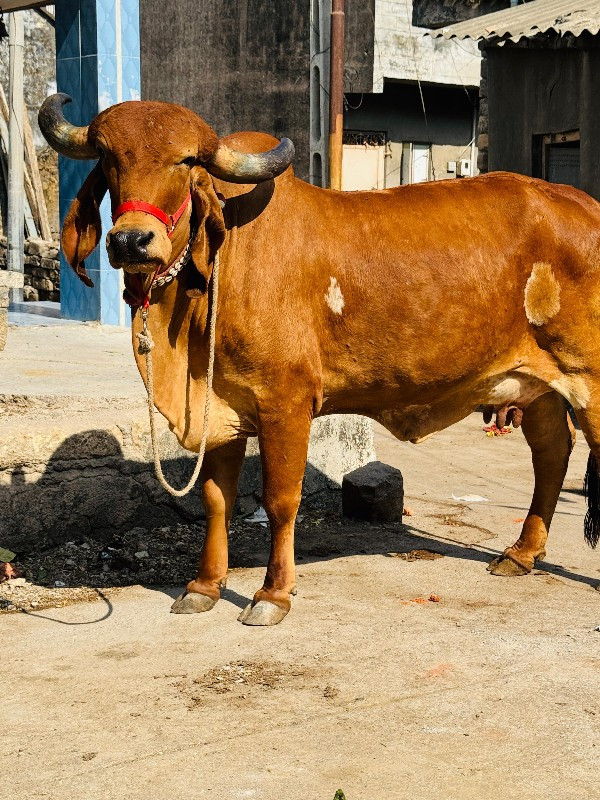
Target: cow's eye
x,y
189,161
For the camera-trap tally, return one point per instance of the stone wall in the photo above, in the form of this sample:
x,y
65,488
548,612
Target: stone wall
x,y
42,269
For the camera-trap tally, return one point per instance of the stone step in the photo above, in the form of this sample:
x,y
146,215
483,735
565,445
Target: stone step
x,y
73,468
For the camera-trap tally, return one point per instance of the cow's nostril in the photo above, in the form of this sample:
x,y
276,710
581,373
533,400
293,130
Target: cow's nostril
x,y
131,245
145,239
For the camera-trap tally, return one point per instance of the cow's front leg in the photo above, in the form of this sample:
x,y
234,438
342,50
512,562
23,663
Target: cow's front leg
x,y
283,439
219,476
551,436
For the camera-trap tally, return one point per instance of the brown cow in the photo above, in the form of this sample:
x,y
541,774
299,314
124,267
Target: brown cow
x,y
382,303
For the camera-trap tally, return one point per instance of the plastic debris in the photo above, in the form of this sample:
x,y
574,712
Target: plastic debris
x,y
59,584
494,430
470,498
259,516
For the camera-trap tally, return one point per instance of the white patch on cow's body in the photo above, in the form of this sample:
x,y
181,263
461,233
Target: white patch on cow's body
x,y
542,295
519,390
334,296
574,389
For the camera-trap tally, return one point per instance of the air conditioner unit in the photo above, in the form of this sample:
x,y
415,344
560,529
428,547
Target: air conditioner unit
x,y
463,168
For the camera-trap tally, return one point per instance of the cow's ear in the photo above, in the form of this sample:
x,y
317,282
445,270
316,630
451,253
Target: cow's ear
x,y
211,226
82,228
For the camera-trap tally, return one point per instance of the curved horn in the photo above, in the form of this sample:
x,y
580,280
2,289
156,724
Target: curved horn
x,y
68,140
235,167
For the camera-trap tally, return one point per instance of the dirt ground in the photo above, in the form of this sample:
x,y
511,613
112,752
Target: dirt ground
x,y
487,690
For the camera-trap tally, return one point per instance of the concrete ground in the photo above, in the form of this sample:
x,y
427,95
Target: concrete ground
x,y
489,693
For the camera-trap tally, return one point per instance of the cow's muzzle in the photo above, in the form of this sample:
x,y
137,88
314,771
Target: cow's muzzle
x,y
130,246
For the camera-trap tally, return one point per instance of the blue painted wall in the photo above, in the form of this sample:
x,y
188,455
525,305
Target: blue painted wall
x,y
97,64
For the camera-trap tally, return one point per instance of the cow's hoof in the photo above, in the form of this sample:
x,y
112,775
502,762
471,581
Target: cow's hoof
x,y
192,603
506,567
263,613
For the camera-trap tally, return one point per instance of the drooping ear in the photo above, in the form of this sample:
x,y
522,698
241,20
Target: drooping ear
x,y
211,226
82,228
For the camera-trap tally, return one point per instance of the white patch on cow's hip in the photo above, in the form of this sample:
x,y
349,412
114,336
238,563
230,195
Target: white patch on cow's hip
x,y
334,297
542,295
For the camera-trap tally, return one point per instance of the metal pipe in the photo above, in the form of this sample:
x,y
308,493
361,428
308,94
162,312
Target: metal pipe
x,y
473,139
15,249
336,94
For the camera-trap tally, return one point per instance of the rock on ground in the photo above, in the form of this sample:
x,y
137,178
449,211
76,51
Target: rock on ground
x,y
374,492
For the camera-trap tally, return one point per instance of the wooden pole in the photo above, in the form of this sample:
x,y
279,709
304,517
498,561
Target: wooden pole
x,y
32,216
36,180
336,94
15,234
30,226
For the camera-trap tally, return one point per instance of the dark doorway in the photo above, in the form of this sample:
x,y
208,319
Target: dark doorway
x,y
556,157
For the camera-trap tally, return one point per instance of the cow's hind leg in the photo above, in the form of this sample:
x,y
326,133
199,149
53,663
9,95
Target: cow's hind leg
x,y
219,476
283,439
551,436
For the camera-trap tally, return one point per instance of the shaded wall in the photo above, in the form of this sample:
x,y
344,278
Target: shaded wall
x,y
245,64
239,64
537,91
359,41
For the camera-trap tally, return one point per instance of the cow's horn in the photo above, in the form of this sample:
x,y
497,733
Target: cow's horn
x,y
235,167
68,140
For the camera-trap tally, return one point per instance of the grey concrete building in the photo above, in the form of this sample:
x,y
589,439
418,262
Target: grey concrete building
x,y
262,65
539,90
419,121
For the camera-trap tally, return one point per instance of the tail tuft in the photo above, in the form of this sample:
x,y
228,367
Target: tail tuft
x,y
591,488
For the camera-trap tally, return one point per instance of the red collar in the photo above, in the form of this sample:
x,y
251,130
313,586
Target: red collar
x,y
134,294
170,220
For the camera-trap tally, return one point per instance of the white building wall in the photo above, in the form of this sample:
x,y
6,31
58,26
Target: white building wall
x,y
403,52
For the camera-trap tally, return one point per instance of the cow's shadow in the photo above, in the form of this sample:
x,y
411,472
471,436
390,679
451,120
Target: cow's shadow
x,y
89,495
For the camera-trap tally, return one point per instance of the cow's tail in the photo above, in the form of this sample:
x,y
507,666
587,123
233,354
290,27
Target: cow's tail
x,y
591,488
